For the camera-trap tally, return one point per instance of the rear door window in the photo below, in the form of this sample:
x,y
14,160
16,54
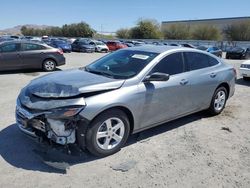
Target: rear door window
x,y
171,64
31,47
196,60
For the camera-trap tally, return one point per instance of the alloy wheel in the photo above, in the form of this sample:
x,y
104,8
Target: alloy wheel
x,y
49,65
110,133
220,100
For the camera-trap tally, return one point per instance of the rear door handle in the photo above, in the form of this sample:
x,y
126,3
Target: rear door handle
x,y
212,75
183,82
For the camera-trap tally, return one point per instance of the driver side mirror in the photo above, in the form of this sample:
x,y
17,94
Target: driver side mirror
x,y
157,76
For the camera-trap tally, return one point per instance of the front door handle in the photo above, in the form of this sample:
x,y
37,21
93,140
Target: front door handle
x,y
213,75
183,82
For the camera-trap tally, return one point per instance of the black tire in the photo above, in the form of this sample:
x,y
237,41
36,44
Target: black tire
x,y
98,122
212,109
49,65
246,78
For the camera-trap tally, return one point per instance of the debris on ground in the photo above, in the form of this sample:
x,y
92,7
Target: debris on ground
x,y
226,129
124,167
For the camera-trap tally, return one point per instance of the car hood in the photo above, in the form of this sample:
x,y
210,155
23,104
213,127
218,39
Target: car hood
x,y
102,46
65,84
246,62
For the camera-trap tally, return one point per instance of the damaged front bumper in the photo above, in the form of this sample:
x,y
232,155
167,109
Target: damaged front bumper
x,y
58,125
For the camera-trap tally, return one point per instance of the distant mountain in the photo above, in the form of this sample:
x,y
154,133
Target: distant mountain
x,y
17,29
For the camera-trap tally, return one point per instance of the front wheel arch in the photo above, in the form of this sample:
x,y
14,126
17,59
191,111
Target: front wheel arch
x,y
125,110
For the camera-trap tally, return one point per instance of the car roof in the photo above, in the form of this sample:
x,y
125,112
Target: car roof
x,y
155,49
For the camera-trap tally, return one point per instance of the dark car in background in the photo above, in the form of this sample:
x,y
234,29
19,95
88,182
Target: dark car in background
x,y
238,53
188,45
15,55
82,45
213,50
115,45
8,38
62,44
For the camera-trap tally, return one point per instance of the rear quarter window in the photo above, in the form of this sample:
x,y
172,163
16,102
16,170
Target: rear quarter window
x,y
212,61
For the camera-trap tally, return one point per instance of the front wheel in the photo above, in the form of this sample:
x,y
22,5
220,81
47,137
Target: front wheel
x,y
218,101
108,133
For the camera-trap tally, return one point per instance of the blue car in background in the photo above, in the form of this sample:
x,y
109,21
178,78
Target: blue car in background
x,y
214,50
62,44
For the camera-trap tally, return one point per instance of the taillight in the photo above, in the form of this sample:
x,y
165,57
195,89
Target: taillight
x,y
60,51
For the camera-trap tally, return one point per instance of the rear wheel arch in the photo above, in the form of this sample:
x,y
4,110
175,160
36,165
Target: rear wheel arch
x,y
50,58
225,85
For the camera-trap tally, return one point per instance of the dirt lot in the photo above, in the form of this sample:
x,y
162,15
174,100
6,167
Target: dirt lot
x,y
195,151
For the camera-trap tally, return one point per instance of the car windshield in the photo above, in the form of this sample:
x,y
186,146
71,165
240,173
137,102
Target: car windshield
x,y
99,43
237,49
122,64
85,42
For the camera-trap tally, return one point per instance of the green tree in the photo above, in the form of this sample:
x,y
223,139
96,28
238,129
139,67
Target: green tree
x,y
176,31
81,29
146,29
123,33
237,31
206,32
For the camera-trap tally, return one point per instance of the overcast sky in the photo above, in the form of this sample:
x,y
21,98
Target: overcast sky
x,y
110,15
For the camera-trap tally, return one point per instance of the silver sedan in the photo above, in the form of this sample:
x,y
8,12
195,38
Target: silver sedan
x,y
100,105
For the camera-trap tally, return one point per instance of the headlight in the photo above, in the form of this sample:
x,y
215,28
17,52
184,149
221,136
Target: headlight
x,y
65,112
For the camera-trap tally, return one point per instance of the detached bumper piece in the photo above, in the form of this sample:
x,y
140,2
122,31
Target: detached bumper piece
x,y
60,131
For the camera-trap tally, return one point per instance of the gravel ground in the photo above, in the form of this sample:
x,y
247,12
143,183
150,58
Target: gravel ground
x,y
195,151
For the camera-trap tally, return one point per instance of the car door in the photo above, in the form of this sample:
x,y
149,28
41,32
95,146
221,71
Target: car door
x,y
165,100
201,78
9,56
32,55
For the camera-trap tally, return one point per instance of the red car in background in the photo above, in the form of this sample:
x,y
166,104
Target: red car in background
x,y
115,45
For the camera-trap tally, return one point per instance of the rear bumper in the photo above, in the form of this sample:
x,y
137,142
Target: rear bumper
x,y
61,61
244,72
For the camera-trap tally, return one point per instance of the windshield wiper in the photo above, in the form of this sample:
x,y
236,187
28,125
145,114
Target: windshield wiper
x,y
106,74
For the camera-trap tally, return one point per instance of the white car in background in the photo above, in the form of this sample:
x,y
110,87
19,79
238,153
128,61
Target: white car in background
x,y
245,70
99,46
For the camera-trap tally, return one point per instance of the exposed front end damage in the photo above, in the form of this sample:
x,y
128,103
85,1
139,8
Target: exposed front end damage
x,y
54,119
50,107
59,128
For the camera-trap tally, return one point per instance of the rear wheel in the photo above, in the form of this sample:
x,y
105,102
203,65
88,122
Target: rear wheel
x,y
218,101
49,65
108,133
